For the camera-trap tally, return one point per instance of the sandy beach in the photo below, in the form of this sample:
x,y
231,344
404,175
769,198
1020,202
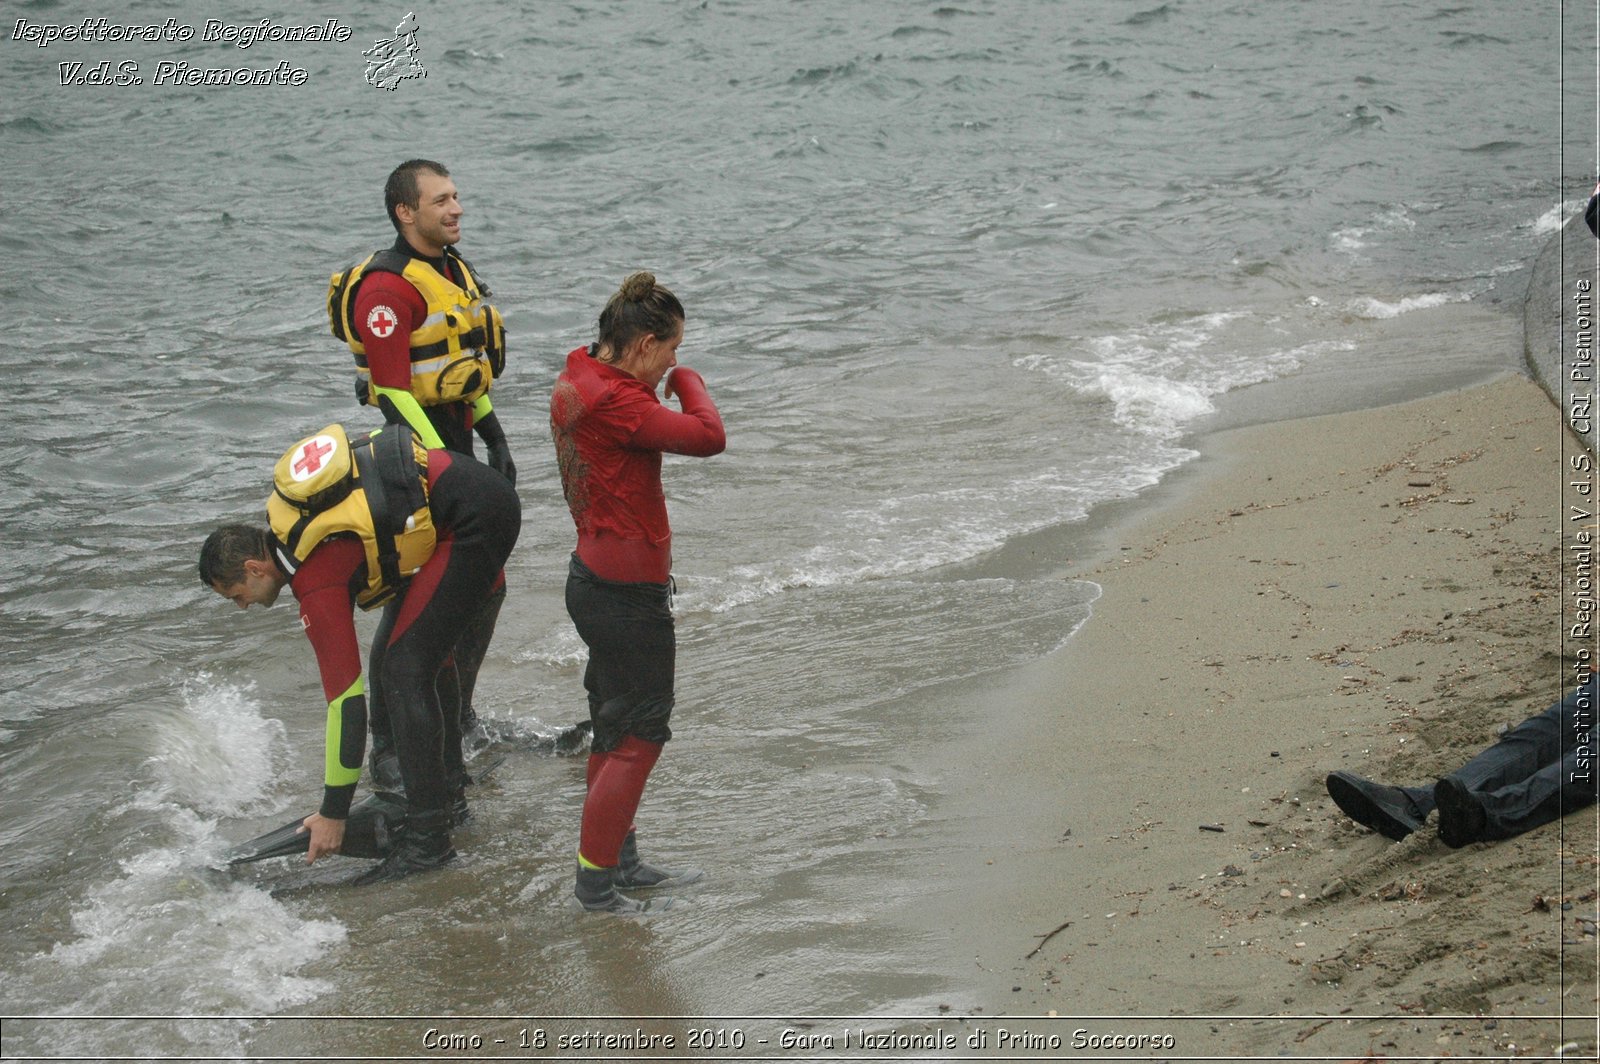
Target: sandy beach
x,y
1376,591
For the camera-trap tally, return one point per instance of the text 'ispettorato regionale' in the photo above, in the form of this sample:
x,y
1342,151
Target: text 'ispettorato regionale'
x,y
100,30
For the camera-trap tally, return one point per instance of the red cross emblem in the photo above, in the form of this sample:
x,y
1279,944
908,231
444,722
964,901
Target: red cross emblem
x,y
381,321
309,460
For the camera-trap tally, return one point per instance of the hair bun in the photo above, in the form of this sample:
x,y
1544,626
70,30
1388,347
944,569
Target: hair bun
x,y
638,286
640,306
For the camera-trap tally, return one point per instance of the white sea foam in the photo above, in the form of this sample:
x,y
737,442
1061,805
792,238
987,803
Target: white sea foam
x,y
1355,238
1351,240
1378,309
166,926
219,754
1553,219
1162,379
559,648
169,929
1149,404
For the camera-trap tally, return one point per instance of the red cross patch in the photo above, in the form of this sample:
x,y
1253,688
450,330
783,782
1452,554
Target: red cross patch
x,y
381,321
309,457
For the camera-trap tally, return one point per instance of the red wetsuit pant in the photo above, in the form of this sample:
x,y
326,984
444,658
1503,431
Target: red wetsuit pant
x,y
632,642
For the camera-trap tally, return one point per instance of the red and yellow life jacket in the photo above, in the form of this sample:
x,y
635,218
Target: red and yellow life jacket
x,y
459,349
374,486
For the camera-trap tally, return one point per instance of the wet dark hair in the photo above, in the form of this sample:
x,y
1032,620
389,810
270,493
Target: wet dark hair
x,y
225,551
640,307
402,186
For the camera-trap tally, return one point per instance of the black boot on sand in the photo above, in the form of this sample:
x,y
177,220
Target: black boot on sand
x,y
633,874
1389,811
422,846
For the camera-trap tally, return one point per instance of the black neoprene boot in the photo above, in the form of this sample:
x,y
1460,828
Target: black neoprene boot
x,y
422,844
597,893
632,873
474,736
460,812
385,767
371,830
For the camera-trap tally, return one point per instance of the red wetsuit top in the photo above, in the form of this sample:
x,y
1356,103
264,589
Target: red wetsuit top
x,y
610,430
325,586
389,357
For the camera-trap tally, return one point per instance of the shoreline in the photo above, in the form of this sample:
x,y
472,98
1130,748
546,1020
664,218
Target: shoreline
x,y
1483,340
1374,590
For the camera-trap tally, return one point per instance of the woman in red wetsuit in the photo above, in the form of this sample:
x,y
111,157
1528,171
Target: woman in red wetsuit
x,y
610,431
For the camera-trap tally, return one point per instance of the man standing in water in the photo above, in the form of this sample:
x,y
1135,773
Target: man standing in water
x,y
428,346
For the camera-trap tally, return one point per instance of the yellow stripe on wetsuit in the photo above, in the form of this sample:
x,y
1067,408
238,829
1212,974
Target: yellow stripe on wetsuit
x,y
338,771
406,406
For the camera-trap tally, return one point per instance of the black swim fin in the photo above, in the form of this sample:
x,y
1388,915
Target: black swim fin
x,y
368,832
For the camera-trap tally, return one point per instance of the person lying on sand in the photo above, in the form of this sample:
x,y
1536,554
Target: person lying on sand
x,y
1537,772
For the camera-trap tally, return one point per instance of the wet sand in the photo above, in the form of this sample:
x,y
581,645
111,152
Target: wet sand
x,y
1376,591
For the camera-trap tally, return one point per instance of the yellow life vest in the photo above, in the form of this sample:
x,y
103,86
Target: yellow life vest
x,y
460,347
374,486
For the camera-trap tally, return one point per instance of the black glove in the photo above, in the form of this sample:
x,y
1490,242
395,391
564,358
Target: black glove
x,y
494,440
500,461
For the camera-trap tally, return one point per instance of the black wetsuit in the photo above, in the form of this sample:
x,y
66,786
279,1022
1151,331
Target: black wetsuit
x,y
410,673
